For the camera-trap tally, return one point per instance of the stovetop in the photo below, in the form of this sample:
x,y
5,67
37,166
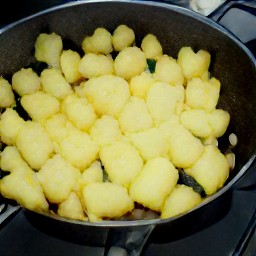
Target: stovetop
x,y
231,234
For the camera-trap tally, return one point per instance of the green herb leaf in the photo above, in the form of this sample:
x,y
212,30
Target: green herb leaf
x,y
151,65
191,182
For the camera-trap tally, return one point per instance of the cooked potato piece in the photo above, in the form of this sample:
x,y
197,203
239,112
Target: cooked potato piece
x,y
108,130
10,124
105,130
25,81
168,71
99,42
197,122
193,64
130,62
151,47
48,48
106,200
164,100
57,177
34,144
11,160
205,124
93,65
71,208
123,36
40,105
153,184
78,90
181,143
108,94
219,121
94,173
58,127
6,94
151,143
139,85
23,187
69,63
135,116
121,161
202,94
79,111
54,83
181,200
79,149
211,170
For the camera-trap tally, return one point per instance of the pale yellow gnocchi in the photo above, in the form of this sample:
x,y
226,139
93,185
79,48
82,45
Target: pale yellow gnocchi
x,y
10,124
6,94
48,48
99,42
123,36
25,81
108,131
69,63
57,178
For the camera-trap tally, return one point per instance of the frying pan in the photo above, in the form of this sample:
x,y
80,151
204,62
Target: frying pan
x,y
232,63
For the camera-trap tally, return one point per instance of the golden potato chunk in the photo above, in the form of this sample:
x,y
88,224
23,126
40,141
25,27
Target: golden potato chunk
x,y
121,161
182,199
94,173
55,84
25,81
105,130
58,127
6,94
202,94
219,120
150,143
79,111
211,170
130,62
34,144
57,177
193,64
40,105
24,187
151,47
164,100
10,124
69,63
71,208
123,37
48,48
93,65
139,85
205,124
106,200
184,148
79,149
168,71
153,184
99,42
108,94
11,160
197,122
135,116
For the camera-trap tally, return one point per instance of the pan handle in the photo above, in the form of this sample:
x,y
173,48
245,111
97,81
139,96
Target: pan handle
x,y
127,243
238,17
